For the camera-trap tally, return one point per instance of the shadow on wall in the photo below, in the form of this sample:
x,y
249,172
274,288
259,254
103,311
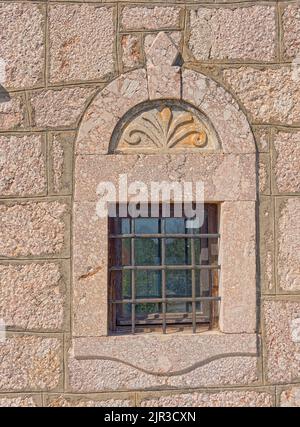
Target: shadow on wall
x,y
4,95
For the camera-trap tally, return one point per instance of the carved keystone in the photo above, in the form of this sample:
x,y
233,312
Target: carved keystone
x,y
164,78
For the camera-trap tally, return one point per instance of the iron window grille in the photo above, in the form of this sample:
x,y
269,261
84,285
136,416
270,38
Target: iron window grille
x,y
162,275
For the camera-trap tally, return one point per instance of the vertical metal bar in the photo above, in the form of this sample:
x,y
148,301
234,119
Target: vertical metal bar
x,y
163,273
193,285
132,224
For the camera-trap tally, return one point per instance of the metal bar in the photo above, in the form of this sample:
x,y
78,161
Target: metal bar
x,y
132,224
167,236
163,300
193,285
165,267
163,274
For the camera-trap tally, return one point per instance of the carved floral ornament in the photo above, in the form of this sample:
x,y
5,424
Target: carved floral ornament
x,y
165,128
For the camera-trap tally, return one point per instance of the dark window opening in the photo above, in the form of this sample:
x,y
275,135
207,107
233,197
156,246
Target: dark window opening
x,y
163,275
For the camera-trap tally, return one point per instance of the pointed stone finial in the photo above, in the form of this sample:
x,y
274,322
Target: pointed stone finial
x,y
162,50
164,78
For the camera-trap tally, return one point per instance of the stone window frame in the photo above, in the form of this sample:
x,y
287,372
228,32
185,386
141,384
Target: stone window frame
x,y
230,180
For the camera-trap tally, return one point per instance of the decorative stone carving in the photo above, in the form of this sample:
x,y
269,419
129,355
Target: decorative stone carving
x,y
166,127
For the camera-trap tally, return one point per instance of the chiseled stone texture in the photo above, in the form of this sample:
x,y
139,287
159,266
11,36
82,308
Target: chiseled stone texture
x,y
286,163
262,138
81,42
61,162
270,95
210,168
93,400
30,363
264,182
291,31
228,398
266,234
238,261
132,55
22,165
288,243
150,18
110,375
32,296
282,340
290,397
13,113
59,108
107,108
21,44
33,228
23,401
239,33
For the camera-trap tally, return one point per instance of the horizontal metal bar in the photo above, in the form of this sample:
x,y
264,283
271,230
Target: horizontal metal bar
x,y
165,267
167,236
163,300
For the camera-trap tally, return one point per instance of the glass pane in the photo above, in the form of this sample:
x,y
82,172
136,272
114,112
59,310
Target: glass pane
x,y
148,284
146,225
148,311
147,251
178,283
125,226
121,282
123,314
179,307
178,251
175,225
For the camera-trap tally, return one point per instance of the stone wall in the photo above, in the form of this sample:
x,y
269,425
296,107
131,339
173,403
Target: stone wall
x,y
54,56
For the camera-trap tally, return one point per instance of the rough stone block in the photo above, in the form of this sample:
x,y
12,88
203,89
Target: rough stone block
x,y
31,363
291,32
61,162
289,397
21,44
286,163
132,55
269,95
22,165
264,174
33,295
81,42
59,108
150,18
233,33
90,400
288,243
23,400
34,228
262,138
13,113
281,340
267,245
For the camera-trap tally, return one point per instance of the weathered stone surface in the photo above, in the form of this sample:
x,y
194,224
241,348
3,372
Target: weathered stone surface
x,y
22,165
238,261
61,162
262,138
150,18
172,354
230,398
107,375
23,401
281,325
34,228
12,111
239,33
290,397
92,400
89,260
30,363
59,108
32,296
286,164
288,238
267,246
21,44
81,42
224,112
132,55
264,179
107,108
270,95
164,78
212,168
291,31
